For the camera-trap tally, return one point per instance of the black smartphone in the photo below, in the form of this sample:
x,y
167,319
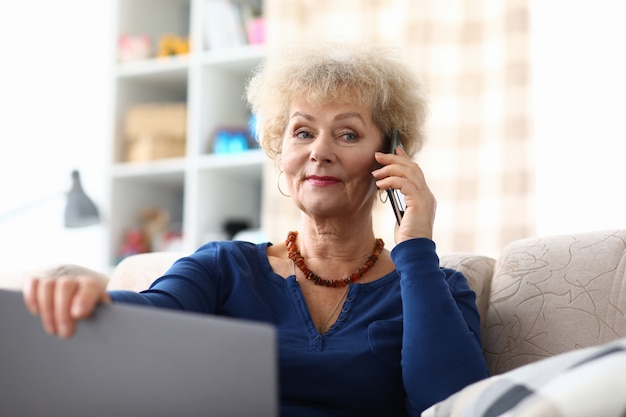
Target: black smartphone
x,y
395,197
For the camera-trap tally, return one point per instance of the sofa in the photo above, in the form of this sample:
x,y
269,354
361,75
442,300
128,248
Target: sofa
x,y
553,328
546,304
541,297
549,295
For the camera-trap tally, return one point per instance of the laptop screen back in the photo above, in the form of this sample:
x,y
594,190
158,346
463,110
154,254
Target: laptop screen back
x,y
136,361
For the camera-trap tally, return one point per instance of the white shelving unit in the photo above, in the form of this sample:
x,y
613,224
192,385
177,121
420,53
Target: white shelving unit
x,y
201,190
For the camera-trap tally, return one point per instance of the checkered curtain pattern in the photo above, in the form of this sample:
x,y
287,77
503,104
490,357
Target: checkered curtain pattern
x,y
473,59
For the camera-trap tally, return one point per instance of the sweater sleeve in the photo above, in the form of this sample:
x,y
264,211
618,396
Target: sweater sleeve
x,y
190,284
441,349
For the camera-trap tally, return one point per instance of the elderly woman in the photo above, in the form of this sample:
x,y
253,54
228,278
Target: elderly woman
x,y
362,331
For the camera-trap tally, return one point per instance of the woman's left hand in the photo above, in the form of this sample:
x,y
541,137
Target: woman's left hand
x,y
403,174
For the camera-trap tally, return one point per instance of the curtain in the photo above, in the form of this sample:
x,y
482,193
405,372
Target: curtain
x,y
472,57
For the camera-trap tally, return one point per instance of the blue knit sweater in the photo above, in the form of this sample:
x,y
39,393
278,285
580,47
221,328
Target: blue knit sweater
x,y
400,344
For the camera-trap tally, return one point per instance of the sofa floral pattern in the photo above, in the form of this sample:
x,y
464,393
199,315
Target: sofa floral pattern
x,y
555,294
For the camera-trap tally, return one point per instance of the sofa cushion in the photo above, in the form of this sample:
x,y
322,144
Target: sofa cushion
x,y
15,280
136,272
478,271
555,294
587,382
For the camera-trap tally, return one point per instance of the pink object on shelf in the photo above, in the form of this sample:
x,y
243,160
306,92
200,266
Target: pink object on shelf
x,y
256,31
134,47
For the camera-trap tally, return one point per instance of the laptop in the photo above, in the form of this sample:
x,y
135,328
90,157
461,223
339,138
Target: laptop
x,y
136,361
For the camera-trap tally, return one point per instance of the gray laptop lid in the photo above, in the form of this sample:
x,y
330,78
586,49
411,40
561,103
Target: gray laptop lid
x,y
136,361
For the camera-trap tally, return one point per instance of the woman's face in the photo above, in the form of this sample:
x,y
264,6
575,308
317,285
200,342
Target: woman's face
x,y
328,157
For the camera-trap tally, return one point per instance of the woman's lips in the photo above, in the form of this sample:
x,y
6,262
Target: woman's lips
x,y
322,181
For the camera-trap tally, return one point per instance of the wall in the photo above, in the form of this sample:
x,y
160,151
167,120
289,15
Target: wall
x,y
55,97
580,131
54,80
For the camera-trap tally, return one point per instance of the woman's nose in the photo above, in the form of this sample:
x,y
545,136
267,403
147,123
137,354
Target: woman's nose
x,y
322,149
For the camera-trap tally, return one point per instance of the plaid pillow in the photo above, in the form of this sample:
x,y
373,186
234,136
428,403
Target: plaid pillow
x,y
588,382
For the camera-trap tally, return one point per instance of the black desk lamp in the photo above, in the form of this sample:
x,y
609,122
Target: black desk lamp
x,y
80,211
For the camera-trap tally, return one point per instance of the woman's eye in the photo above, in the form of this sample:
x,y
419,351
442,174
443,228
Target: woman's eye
x,y
349,136
303,134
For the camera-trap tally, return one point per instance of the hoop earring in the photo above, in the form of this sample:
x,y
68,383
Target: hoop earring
x,y
278,184
380,196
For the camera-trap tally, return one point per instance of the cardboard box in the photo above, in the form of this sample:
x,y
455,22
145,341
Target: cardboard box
x,y
155,131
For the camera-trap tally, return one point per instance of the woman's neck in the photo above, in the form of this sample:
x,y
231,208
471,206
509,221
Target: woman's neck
x,y
333,242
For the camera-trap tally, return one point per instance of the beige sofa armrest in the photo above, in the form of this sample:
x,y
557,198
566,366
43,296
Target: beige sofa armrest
x,y
137,272
15,280
11,280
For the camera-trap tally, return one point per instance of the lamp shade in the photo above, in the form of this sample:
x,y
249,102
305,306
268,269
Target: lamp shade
x,y
80,211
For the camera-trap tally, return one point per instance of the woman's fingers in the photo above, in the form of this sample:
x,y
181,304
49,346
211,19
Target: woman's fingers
x,y
29,291
64,296
403,174
90,293
66,288
400,173
45,304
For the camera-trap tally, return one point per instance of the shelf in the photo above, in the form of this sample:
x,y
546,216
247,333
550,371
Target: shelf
x,y
172,67
239,59
202,190
245,162
164,170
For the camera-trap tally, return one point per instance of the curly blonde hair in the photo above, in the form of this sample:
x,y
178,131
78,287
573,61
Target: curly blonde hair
x,y
373,75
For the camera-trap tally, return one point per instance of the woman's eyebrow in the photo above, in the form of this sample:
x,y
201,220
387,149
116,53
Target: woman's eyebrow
x,y
349,115
304,115
341,116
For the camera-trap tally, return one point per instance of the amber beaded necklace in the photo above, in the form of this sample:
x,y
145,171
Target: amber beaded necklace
x,y
298,260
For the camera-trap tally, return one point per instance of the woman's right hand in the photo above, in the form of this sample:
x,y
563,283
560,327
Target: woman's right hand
x,y
63,296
